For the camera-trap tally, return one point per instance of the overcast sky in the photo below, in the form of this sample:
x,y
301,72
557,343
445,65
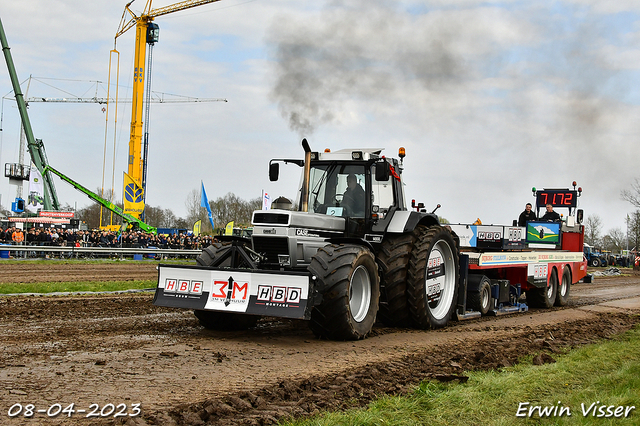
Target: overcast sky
x,y
489,98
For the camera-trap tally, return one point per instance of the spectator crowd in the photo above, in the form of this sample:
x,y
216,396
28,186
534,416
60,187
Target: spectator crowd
x,y
98,238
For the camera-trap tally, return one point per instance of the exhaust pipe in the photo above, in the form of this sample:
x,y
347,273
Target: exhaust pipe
x,y
307,175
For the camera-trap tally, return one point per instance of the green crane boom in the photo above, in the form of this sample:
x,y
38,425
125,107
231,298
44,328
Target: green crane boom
x,y
106,204
35,147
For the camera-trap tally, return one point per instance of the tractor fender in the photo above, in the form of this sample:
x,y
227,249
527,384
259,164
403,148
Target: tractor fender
x,y
405,221
351,241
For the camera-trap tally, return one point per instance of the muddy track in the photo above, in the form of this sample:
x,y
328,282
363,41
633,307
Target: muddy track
x,y
70,272
121,349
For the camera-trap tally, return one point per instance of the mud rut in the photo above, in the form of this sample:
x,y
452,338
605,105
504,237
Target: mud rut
x,y
122,349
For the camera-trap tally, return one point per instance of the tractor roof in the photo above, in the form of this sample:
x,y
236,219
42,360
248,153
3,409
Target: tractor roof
x,y
351,154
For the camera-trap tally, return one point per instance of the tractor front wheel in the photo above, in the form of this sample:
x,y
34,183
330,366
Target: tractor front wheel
x,y
347,278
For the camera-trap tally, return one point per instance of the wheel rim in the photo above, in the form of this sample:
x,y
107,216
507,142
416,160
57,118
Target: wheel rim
x,y
550,286
440,279
565,285
360,293
485,299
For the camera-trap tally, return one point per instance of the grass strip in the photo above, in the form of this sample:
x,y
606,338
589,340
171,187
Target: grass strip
x,y
583,380
75,286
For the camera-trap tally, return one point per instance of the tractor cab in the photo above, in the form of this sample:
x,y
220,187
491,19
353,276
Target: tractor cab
x,y
361,186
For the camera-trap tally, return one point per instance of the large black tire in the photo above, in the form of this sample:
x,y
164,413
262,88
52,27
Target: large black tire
x,y
393,259
480,300
223,321
544,297
595,262
432,285
564,288
347,278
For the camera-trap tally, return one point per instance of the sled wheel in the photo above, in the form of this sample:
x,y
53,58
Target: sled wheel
x,y
393,259
432,285
347,278
544,297
480,300
225,321
562,295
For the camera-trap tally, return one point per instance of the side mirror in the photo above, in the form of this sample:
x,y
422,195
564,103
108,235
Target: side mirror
x,y
274,171
579,216
382,171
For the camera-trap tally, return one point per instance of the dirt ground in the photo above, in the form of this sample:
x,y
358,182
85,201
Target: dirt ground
x,y
122,350
70,272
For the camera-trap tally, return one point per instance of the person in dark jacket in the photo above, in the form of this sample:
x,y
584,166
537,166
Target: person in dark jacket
x,y
526,216
550,215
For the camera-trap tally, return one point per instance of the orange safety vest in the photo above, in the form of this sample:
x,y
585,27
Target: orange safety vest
x,y
18,237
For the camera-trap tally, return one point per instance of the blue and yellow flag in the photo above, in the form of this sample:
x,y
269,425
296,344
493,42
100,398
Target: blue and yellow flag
x,y
204,202
197,227
133,197
229,229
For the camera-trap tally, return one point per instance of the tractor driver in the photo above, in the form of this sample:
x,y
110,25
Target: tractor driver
x,y
550,215
353,198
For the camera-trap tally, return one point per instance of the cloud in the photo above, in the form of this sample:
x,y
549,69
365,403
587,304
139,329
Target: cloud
x,y
489,98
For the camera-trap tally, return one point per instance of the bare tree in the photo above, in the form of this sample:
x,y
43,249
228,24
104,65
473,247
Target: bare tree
x,y
632,195
634,230
232,208
224,210
592,229
615,241
90,214
194,210
159,217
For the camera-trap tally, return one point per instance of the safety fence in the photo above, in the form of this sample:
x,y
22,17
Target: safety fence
x,y
71,252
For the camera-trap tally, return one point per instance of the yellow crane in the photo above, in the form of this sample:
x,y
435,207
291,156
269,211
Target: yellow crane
x,y
146,33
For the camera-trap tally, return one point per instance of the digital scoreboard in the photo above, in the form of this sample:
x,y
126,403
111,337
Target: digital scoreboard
x,y
557,198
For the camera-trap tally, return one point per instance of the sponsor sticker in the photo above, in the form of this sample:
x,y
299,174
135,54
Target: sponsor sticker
x,y
280,295
172,285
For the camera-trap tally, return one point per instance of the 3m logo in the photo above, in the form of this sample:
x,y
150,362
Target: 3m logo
x,y
172,285
230,291
279,294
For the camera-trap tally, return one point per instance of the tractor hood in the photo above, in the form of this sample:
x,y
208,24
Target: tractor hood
x,y
292,219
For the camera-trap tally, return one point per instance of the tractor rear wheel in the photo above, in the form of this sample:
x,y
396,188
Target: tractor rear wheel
x,y
213,252
393,259
544,297
432,287
347,278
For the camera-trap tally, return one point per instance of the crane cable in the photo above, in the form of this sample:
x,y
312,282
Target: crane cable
x,y
104,157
